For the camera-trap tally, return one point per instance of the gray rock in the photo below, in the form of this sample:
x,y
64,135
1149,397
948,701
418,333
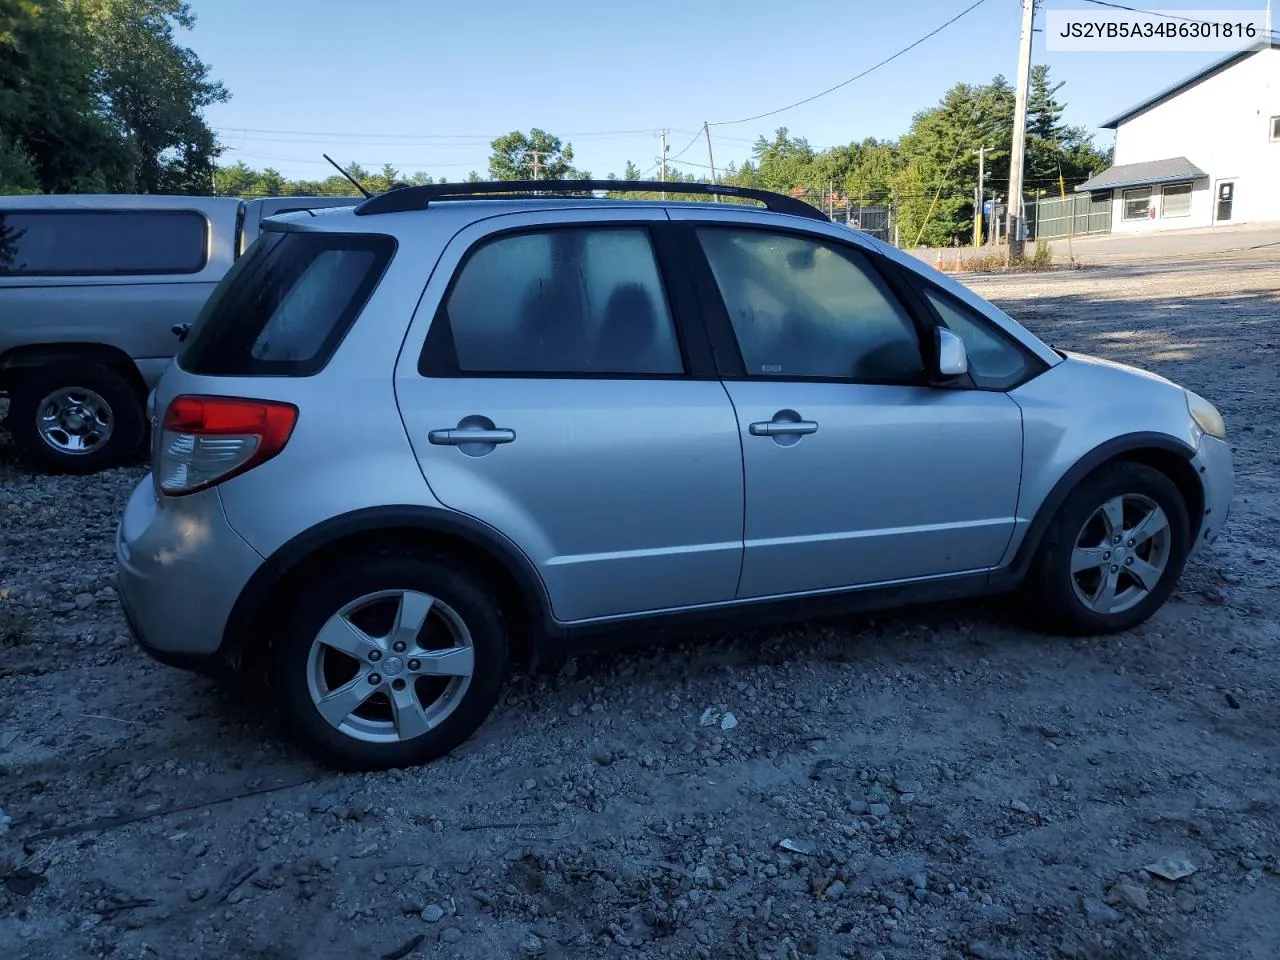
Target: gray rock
x,y
836,890
451,934
1171,868
432,913
531,946
879,809
1096,911
857,807
196,893
908,786
1186,901
1129,895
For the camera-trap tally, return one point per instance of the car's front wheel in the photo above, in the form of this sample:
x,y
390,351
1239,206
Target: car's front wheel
x,y
1113,554
389,659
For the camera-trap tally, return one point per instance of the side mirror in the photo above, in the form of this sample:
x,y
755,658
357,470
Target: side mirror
x,y
180,330
953,359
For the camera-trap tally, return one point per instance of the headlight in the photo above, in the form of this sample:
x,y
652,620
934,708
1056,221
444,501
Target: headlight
x,y
1206,416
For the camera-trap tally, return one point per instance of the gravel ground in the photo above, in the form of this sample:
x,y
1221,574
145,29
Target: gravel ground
x,y
933,783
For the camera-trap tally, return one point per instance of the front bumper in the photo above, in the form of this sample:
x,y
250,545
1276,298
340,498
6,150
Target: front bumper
x,y
180,569
1217,477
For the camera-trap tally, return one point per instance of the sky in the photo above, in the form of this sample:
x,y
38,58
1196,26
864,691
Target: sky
x,y
426,84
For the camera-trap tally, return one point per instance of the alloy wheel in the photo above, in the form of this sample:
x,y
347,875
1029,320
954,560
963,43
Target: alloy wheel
x,y
1120,554
389,666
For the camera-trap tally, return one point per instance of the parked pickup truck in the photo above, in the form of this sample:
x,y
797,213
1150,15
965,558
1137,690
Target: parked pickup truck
x,y
92,288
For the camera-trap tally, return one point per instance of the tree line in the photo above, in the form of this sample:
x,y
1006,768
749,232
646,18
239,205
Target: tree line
x,y
98,96
101,96
927,175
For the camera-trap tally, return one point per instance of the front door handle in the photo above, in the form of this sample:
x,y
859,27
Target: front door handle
x,y
783,428
456,436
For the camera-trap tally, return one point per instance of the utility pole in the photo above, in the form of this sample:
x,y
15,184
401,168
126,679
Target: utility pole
x,y
711,161
893,213
1014,221
537,168
662,160
977,207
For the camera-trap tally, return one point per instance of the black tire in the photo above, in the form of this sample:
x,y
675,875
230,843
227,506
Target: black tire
x,y
30,394
351,578
1050,588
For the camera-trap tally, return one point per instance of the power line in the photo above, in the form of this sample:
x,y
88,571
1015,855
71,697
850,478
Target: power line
x,y
1156,13
696,137
845,83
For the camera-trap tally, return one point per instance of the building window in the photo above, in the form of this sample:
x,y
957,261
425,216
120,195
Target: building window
x,y
1137,203
1275,128
1176,200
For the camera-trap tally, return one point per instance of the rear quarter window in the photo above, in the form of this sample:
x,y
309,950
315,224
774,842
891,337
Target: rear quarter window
x,y
98,243
286,304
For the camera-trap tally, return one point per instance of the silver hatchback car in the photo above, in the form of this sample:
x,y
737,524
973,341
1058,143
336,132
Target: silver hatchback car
x,y
462,426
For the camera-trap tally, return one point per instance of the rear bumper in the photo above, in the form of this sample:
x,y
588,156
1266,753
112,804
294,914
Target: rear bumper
x,y
1217,476
179,570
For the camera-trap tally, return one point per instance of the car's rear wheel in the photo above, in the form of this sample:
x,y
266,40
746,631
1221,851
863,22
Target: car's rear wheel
x,y
76,418
1113,554
390,659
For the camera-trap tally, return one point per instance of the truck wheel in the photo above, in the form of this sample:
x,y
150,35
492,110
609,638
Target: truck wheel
x,y
76,418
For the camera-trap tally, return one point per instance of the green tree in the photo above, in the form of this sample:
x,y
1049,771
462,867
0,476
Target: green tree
x,y
53,131
513,157
236,180
154,90
1054,148
939,168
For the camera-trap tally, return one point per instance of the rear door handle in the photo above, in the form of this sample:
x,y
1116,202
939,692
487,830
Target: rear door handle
x,y
782,428
455,436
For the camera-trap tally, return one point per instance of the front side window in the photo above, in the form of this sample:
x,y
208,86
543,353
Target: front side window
x,y
567,301
1175,200
994,361
802,307
73,243
1137,203
286,304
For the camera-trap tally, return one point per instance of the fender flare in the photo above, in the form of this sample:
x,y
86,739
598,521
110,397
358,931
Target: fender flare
x,y
547,640
1113,449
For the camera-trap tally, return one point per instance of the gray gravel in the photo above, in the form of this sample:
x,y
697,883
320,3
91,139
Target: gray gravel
x,y
934,783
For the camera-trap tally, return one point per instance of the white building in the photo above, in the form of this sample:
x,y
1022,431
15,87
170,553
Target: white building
x,y
1204,152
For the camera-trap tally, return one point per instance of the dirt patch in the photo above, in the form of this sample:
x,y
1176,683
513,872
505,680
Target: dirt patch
x,y
947,783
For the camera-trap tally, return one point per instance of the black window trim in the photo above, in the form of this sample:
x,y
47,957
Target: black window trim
x,y
728,352
206,250
1035,364
342,327
438,359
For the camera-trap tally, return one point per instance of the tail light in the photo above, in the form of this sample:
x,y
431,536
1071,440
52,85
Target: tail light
x,y
208,440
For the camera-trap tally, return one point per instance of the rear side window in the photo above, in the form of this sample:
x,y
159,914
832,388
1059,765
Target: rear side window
x,y
77,243
285,305
567,302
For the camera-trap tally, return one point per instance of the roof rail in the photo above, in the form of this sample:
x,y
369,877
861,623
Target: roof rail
x,y
418,198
